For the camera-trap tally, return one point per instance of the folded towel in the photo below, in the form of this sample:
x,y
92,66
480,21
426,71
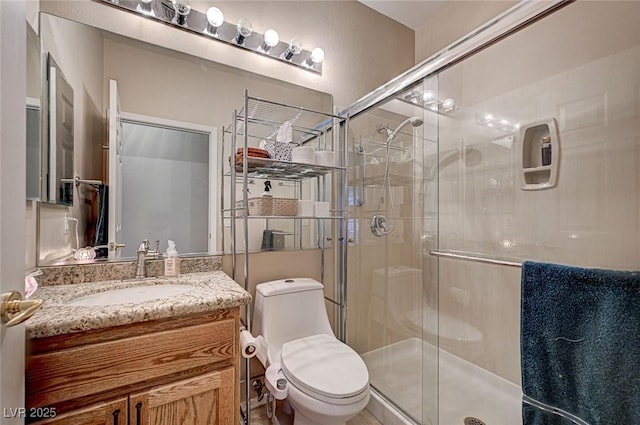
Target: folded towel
x,y
580,344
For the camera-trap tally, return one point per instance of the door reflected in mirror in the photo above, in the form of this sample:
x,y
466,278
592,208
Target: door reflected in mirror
x,y
169,184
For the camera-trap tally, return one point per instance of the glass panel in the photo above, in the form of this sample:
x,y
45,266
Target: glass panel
x,y
389,281
560,79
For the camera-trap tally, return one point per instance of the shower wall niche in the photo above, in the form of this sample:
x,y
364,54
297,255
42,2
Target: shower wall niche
x,y
540,155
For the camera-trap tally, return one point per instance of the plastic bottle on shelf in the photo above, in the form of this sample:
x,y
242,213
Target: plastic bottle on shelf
x,y
546,150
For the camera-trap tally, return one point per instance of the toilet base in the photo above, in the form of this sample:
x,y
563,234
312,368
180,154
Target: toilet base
x,y
309,411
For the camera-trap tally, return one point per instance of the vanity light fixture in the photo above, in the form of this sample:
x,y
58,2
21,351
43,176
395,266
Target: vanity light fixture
x,y
179,14
244,30
271,39
215,19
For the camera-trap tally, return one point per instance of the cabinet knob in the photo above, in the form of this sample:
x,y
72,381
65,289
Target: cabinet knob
x,y
116,414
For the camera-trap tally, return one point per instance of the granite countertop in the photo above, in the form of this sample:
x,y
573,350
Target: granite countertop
x,y
212,291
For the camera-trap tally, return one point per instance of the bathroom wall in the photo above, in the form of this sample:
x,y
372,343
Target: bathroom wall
x,y
67,43
353,36
454,20
557,68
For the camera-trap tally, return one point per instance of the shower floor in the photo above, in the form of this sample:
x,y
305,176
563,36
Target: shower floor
x,y
465,390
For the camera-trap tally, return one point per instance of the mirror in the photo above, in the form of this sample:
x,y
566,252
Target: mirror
x,y
33,114
147,131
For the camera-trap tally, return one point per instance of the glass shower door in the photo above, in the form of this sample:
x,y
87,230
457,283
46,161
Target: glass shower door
x,y
392,296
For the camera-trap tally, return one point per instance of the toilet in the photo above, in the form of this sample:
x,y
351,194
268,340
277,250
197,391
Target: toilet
x,y
327,382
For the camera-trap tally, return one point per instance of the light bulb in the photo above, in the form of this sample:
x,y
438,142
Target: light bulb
x,y
244,30
317,55
182,8
215,19
271,39
448,104
428,96
295,47
145,7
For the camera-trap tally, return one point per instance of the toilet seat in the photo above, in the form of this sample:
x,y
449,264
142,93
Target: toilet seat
x,y
325,368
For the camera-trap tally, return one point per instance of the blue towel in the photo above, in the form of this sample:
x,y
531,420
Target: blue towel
x,y
580,344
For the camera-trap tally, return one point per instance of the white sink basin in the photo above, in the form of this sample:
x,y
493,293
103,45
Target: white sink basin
x,y
134,294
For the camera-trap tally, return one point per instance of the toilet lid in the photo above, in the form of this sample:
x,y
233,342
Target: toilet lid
x,y
322,364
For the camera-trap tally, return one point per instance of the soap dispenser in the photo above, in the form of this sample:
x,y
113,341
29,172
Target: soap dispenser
x,y
172,262
267,188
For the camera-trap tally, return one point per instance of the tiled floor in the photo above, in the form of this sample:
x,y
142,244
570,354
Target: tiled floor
x,y
259,417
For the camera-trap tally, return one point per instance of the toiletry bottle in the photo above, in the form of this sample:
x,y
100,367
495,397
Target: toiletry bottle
x,y
267,188
546,150
172,261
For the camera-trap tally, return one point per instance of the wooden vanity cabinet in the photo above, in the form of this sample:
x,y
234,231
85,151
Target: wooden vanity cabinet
x,y
173,371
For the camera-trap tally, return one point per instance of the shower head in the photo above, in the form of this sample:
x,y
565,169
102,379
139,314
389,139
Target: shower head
x,y
415,122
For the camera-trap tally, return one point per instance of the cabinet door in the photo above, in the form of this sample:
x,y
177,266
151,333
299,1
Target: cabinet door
x,y
109,413
203,400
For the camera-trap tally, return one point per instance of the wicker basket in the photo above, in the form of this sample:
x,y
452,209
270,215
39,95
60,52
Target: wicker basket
x,y
265,206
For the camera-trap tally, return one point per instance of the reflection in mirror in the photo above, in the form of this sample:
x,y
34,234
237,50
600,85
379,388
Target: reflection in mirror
x,y
33,114
60,124
33,149
170,93
168,170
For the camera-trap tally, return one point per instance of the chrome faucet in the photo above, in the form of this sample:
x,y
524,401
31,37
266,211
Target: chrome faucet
x,y
143,253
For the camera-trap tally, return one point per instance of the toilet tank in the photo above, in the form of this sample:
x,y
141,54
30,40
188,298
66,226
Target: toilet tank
x,y
289,309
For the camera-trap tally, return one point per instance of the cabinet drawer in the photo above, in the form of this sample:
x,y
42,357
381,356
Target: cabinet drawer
x,y
77,372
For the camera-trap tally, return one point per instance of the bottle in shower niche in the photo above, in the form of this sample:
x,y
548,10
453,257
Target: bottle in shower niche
x,y
172,261
545,147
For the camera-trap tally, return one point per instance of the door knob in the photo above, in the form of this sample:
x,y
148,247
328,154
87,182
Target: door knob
x,y
14,310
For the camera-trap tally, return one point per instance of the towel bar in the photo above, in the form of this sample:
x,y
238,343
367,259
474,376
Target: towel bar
x,y
475,258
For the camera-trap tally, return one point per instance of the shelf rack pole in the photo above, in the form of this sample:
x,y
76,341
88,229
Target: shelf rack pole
x,y
245,222
340,251
232,194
